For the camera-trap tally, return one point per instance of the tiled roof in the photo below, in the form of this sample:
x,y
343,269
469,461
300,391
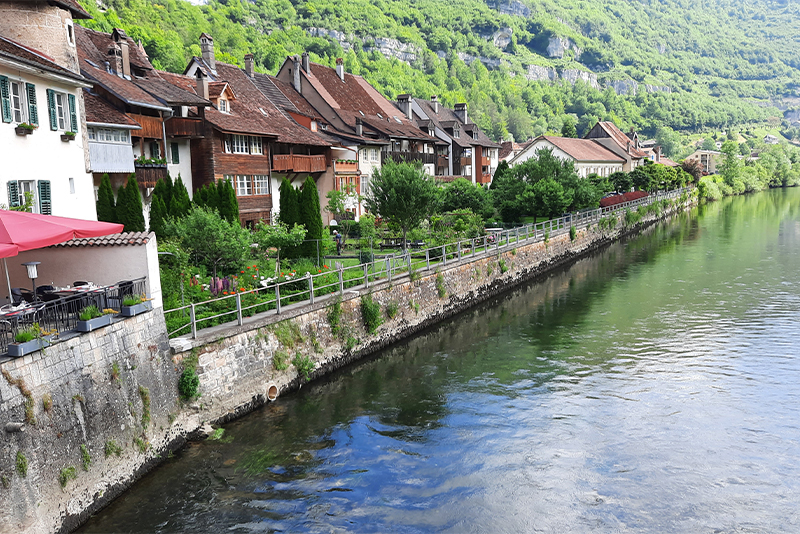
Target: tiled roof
x,y
94,46
169,94
125,239
18,52
187,83
583,149
73,6
668,162
125,90
215,89
100,111
447,118
621,139
506,148
253,113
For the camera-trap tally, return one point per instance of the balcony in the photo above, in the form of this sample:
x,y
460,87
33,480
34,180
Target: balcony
x,y
398,156
343,166
297,163
485,162
466,161
148,174
184,127
442,161
484,178
151,126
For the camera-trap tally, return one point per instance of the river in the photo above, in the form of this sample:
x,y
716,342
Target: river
x,y
652,387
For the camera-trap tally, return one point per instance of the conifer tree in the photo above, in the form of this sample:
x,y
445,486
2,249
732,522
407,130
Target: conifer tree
x,y
158,213
132,207
180,204
310,217
164,189
228,205
106,207
289,211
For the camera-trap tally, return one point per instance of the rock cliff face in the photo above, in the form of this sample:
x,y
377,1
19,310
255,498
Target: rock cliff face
x,y
386,46
630,87
512,7
557,47
539,73
573,75
502,38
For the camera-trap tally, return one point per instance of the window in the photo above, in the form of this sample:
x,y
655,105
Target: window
x,y
255,146
373,154
223,106
18,102
261,184
174,151
70,33
239,144
475,134
243,144
72,186
456,132
61,107
243,186
92,134
155,150
37,191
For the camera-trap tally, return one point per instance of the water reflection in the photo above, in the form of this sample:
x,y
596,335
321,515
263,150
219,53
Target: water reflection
x,y
650,388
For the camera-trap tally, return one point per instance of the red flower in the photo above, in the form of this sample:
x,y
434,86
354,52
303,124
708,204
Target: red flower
x,y
319,270
242,272
324,266
247,267
241,289
224,292
254,267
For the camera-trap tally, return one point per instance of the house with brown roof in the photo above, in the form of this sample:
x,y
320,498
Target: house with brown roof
x,y
43,138
369,126
139,122
588,155
624,145
249,140
466,151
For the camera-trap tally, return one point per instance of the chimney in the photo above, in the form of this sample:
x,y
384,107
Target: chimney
x,y
340,68
249,65
359,127
306,63
404,103
115,57
296,73
202,84
126,59
435,102
207,50
461,112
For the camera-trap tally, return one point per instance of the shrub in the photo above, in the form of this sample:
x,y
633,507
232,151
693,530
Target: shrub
x,y
335,315
441,289
547,236
279,360
365,256
144,393
22,464
188,384
573,233
391,309
502,264
304,365
67,474
112,447
86,458
288,334
371,313
47,402
90,312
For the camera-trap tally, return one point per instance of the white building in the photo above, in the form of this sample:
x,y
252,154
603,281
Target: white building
x,y
43,136
588,155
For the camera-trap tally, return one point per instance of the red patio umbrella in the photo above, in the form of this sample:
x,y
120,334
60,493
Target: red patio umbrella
x,y
21,231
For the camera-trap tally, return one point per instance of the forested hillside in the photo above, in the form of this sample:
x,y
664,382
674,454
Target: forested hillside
x,y
708,63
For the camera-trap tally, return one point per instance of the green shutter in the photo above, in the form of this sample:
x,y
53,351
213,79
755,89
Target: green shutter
x,y
175,153
33,109
5,98
13,194
51,108
45,202
73,116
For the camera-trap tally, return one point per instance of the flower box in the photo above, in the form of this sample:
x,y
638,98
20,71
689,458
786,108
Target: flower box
x,y
136,309
21,349
67,137
94,324
19,130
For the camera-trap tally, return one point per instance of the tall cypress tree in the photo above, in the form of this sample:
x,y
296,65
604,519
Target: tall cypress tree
x,y
106,207
164,189
212,196
134,214
180,204
288,210
158,213
228,205
310,216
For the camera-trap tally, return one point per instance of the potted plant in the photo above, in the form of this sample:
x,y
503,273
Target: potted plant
x,y
133,305
68,136
27,340
24,128
91,318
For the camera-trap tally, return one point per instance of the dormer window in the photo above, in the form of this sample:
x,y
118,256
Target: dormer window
x,y
456,132
313,126
223,106
475,134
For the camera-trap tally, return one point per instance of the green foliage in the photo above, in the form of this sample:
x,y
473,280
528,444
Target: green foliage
x,y
67,474
47,402
217,434
129,206
280,360
144,394
158,214
215,242
304,365
288,334
403,194
106,206
310,216
730,168
112,447
289,209
86,458
621,181
335,315
89,312
371,313
365,256
461,194
22,464
142,444
573,232
441,289
391,309
188,384
568,128
179,205
502,264
278,236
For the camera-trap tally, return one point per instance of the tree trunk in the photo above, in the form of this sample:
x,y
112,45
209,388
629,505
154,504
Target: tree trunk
x,y
405,244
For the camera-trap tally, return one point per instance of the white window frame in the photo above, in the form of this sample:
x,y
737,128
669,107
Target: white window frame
x,y
29,186
222,106
70,33
90,131
238,144
244,186
62,110
261,184
256,146
19,101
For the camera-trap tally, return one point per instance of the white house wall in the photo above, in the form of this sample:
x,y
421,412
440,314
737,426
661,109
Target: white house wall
x,y
583,168
184,168
43,156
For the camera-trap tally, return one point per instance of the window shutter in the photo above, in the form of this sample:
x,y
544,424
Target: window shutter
x,y
13,194
5,98
51,108
45,202
73,116
33,109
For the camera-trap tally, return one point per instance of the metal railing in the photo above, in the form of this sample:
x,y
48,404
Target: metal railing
x,y
61,315
306,289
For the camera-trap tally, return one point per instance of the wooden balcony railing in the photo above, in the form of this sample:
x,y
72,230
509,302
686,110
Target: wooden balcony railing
x,y
398,156
341,166
485,162
151,126
442,161
184,127
484,178
466,161
298,163
148,175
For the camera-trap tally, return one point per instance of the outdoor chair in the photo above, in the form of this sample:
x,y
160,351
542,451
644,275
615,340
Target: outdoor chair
x,y
18,295
124,289
80,283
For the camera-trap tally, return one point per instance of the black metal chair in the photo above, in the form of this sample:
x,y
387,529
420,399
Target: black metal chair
x,y
80,283
19,294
